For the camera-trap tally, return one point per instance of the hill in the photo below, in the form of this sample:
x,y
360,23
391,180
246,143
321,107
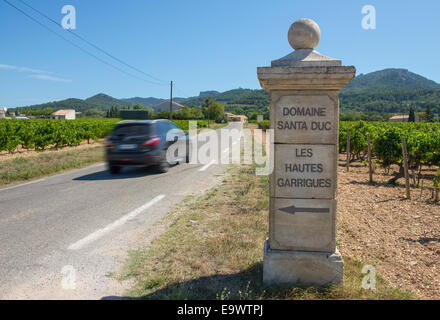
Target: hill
x,y
72,103
100,102
389,91
106,101
150,102
371,96
146,102
208,93
238,101
390,79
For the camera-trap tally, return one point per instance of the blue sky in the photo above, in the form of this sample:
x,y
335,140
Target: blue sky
x,y
200,44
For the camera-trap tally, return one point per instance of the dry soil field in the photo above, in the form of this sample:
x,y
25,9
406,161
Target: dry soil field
x,y
379,226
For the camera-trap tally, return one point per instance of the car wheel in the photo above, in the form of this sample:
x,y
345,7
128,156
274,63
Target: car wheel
x,y
163,166
187,152
114,169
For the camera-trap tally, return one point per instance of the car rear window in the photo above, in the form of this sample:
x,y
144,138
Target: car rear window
x,y
131,130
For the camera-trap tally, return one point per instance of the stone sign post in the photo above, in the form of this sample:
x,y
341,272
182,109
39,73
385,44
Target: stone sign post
x,y
304,113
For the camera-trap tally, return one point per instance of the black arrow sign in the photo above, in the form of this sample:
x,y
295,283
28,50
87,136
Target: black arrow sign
x,y
293,210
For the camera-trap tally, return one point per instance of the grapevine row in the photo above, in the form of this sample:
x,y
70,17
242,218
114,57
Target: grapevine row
x,y
39,134
422,139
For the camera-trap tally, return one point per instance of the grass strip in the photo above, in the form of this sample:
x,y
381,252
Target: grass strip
x,y
213,249
22,169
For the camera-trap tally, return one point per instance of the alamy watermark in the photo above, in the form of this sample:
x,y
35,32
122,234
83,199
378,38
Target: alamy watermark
x,y
69,278
224,146
69,20
369,278
369,20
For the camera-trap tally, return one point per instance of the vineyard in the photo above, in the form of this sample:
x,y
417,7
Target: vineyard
x,y
422,140
39,134
417,144
422,143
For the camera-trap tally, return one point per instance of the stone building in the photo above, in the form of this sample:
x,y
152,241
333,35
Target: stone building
x,y
67,114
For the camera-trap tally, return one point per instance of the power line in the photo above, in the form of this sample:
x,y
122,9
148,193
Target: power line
x,y
78,47
93,45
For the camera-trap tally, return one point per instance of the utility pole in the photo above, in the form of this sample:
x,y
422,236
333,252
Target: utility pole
x,y
171,102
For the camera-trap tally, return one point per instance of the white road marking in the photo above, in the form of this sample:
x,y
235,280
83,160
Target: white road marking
x,y
101,232
226,150
22,184
206,166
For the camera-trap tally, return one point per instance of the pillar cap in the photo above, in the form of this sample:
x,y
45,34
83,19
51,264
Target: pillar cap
x,y
304,35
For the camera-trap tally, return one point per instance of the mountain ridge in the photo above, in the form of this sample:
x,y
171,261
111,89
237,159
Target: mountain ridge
x,y
389,91
376,93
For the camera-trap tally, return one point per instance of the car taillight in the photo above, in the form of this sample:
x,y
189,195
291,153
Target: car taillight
x,y
152,142
108,143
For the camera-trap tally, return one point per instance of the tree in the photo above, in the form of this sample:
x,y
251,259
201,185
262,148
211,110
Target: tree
x,y
113,112
94,113
438,113
138,107
253,116
188,114
429,116
212,109
164,114
412,116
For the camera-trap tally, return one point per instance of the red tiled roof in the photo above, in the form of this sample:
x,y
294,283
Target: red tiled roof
x,y
168,101
62,112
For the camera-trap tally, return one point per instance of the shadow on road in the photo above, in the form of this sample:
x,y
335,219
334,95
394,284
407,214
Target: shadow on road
x,y
213,287
126,173
247,285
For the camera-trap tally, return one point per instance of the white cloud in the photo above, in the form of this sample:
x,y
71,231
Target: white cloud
x,y
49,78
23,69
35,73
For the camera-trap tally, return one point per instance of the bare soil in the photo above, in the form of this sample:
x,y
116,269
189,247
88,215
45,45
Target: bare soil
x,y
379,226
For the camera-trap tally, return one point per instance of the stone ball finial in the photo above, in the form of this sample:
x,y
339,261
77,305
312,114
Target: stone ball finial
x,y
304,34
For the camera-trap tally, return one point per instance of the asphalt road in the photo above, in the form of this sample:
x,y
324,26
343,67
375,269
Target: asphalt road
x,y
63,236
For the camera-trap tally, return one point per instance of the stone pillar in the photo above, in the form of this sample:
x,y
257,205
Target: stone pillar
x,y
304,113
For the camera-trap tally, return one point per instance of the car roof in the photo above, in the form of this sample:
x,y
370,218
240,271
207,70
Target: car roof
x,y
142,121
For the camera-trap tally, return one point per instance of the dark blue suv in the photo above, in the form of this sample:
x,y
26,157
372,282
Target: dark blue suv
x,y
145,143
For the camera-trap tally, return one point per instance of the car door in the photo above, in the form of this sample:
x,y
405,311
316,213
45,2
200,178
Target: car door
x,y
177,136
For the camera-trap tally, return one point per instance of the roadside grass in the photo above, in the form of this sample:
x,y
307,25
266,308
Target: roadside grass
x,y
22,169
213,249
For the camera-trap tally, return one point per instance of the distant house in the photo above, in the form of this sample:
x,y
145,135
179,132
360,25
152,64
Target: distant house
x,y
165,106
402,118
235,117
2,113
67,114
242,118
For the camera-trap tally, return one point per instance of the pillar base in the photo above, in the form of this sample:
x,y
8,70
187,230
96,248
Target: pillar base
x,y
302,267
